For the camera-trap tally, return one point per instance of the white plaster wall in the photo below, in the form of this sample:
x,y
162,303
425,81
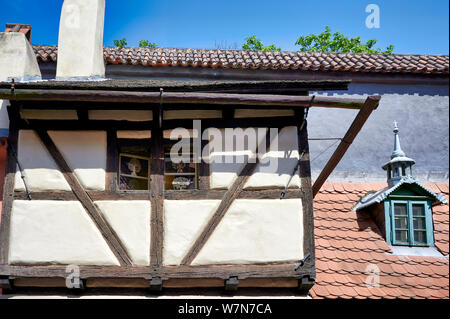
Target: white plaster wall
x,y
275,169
121,115
17,58
276,166
41,172
224,166
80,42
256,231
31,114
184,221
131,222
56,232
85,152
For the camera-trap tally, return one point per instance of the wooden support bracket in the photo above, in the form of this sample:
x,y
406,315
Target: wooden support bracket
x,y
156,284
80,288
232,283
305,283
6,282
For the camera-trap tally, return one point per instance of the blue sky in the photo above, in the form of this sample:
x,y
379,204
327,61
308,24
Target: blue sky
x,y
412,26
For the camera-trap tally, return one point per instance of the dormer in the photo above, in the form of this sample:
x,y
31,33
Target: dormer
x,y
403,209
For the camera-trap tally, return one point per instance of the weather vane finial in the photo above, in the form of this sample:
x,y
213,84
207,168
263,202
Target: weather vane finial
x,y
395,127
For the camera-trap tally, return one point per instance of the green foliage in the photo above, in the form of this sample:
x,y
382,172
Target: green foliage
x,y
326,42
121,43
146,44
253,43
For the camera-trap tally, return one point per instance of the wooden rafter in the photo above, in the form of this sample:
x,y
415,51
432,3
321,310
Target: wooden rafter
x,y
370,104
107,232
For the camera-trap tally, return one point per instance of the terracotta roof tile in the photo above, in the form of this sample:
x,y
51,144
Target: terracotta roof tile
x,y
347,242
240,59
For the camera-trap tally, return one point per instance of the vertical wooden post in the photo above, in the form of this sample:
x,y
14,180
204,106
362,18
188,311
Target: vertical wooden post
x,y
307,201
156,190
112,161
8,188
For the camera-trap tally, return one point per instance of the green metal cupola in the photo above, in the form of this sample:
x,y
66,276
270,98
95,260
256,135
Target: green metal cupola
x,y
400,166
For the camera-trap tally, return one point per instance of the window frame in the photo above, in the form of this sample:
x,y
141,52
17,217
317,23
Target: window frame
x,y
119,171
390,233
197,168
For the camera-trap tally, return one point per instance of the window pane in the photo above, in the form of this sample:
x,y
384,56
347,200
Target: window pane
x,y
418,210
419,223
180,168
420,237
401,223
133,166
182,175
400,209
401,236
180,182
130,183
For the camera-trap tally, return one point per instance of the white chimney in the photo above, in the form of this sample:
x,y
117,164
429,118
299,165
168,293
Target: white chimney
x,y
18,62
17,58
80,43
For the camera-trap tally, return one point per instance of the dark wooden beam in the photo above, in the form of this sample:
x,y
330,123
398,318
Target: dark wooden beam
x,y
107,232
156,190
195,194
112,161
178,98
176,272
8,186
370,104
307,199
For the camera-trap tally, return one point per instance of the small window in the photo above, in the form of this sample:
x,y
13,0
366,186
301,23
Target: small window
x,y
134,164
180,175
411,223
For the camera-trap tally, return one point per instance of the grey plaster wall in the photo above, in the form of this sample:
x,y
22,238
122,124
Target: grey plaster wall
x,y
422,113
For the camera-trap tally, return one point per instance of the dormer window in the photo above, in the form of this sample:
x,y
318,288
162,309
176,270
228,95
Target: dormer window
x,y
408,216
410,223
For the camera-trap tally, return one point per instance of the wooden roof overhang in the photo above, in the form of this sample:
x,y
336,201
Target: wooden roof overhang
x,y
252,94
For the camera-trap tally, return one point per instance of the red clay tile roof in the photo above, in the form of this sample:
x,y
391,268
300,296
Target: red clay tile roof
x,y
240,59
347,242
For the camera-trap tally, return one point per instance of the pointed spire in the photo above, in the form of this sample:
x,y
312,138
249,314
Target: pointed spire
x,y
399,167
398,152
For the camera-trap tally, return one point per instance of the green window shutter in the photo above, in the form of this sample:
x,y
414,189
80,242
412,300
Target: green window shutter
x,y
430,227
387,218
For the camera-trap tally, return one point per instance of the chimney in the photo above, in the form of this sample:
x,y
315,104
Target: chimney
x,y
17,58
80,43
